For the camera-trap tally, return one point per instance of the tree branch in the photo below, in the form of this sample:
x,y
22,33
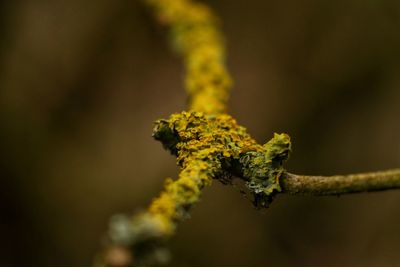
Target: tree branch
x,y
340,184
210,144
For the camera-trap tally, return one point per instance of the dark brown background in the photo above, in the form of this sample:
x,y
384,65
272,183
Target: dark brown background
x,y
82,81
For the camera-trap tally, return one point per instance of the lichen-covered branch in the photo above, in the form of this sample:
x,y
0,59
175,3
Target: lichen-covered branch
x,y
207,147
210,145
340,184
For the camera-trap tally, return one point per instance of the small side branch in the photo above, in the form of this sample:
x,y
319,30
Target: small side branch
x,y
340,184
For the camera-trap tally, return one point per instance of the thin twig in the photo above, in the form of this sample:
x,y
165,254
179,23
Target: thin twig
x,y
340,184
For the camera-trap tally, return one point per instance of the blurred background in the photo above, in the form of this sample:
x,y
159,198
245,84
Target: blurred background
x,y
81,83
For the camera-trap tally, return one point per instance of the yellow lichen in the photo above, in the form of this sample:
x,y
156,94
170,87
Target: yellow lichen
x,y
219,141
195,34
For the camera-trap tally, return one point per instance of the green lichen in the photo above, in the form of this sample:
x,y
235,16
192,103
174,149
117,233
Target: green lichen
x,y
262,170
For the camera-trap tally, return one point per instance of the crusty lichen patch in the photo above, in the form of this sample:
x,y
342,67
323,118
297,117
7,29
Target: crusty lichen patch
x,y
226,149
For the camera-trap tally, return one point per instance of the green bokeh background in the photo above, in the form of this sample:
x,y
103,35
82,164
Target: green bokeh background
x,y
82,81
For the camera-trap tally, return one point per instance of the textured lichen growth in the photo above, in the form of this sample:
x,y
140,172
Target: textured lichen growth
x,y
263,169
228,149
